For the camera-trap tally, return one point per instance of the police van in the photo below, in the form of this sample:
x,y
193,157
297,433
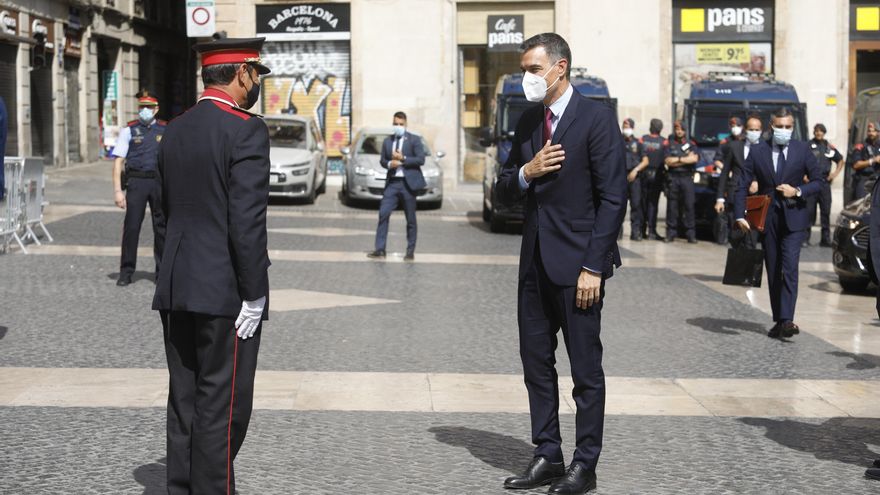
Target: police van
x,y
510,103
867,110
712,102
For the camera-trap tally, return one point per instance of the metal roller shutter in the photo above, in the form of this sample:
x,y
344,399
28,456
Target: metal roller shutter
x,y
7,91
71,109
41,113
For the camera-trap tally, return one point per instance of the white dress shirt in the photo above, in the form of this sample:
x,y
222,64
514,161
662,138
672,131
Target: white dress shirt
x,y
397,145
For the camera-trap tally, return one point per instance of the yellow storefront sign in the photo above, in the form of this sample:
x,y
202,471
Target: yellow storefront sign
x,y
723,53
867,18
693,20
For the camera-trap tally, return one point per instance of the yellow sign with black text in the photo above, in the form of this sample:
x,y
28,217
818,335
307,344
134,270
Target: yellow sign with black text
x,y
723,53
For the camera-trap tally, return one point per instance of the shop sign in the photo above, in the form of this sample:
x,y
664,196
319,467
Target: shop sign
x,y
72,42
9,22
317,21
723,53
505,33
694,21
864,20
46,28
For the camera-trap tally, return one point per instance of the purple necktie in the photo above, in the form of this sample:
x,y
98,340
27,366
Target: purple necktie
x,y
548,126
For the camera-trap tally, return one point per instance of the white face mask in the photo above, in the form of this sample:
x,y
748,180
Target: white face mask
x,y
781,136
736,130
628,132
535,86
753,136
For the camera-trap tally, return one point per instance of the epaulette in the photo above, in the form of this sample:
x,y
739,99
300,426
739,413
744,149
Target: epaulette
x,y
859,147
665,142
642,140
693,143
237,111
723,141
161,122
131,123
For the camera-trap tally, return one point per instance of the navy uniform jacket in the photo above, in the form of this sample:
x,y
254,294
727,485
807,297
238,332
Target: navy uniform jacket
x,y
576,212
825,153
865,151
799,163
672,147
653,146
214,167
414,158
634,153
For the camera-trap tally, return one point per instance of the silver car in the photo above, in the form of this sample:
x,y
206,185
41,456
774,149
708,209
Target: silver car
x,y
364,178
299,163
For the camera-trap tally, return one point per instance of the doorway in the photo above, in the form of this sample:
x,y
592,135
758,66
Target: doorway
x,y
864,70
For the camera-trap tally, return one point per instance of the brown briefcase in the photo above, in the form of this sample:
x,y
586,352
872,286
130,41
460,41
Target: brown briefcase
x,y
756,211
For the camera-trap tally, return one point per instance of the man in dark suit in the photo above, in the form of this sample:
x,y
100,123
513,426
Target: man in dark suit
x,y
403,156
873,472
567,158
213,278
780,167
733,158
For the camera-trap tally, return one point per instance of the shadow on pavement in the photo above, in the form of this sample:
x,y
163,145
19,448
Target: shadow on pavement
x,y
152,477
135,277
700,277
3,331
727,326
860,361
844,440
497,450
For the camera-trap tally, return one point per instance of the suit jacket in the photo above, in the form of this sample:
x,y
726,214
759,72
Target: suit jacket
x,y
874,244
574,213
214,168
733,164
414,158
799,163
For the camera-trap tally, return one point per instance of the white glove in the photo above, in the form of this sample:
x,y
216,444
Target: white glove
x,y
250,317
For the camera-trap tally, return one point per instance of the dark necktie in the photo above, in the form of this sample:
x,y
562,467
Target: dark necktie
x,y
780,162
548,126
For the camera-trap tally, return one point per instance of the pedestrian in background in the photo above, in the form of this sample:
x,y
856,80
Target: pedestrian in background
x,y
826,154
636,162
865,158
4,123
727,165
567,160
213,281
738,151
780,168
137,153
652,178
680,159
403,155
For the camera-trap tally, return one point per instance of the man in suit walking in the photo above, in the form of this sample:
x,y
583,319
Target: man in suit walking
x,y
213,278
567,159
780,168
734,156
403,156
873,472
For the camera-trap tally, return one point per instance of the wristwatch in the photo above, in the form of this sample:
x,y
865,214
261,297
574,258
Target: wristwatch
x,y
798,191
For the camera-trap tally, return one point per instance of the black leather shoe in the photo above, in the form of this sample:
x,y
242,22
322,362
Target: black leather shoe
x,y
124,279
775,332
669,239
692,240
577,481
539,473
376,254
789,329
825,243
653,236
635,237
877,463
873,473
409,257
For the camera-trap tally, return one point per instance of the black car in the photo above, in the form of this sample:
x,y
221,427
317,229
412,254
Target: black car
x,y
851,238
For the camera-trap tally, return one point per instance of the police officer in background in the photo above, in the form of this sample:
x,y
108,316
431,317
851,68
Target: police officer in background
x,y
826,154
866,156
213,285
137,149
652,178
681,158
636,162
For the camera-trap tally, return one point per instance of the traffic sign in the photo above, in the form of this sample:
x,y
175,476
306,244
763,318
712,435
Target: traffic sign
x,y
200,18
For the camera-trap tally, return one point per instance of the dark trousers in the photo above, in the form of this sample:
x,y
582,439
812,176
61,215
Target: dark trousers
x,y
680,203
859,182
544,308
397,192
210,397
138,194
636,206
652,186
823,200
782,252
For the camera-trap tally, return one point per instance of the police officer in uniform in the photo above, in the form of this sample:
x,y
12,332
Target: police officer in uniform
x,y
213,280
652,178
866,156
681,157
137,148
826,154
636,162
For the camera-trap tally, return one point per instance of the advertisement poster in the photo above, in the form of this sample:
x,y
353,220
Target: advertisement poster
x,y
694,62
110,108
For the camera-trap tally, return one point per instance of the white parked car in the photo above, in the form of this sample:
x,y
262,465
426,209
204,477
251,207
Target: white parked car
x,y
299,162
364,179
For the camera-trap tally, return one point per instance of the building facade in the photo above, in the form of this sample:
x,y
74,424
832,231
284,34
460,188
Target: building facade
x,y
69,71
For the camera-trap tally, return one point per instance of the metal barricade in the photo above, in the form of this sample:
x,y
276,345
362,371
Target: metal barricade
x,y
22,208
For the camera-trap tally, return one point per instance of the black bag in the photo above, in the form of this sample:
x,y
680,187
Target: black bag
x,y
720,228
744,267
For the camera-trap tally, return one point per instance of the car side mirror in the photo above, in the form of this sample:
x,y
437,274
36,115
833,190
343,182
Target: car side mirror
x,y
345,150
440,154
487,137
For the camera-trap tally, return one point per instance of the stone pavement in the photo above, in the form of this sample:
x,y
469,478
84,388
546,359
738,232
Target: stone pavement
x,y
391,377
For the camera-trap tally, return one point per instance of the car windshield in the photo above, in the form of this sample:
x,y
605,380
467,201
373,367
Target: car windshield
x,y
709,125
511,110
371,144
287,134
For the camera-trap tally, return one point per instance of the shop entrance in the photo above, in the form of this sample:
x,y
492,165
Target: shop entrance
x,y
41,114
864,68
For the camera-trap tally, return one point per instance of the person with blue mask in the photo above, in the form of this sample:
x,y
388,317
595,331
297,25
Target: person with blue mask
x,y
137,149
403,155
780,167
